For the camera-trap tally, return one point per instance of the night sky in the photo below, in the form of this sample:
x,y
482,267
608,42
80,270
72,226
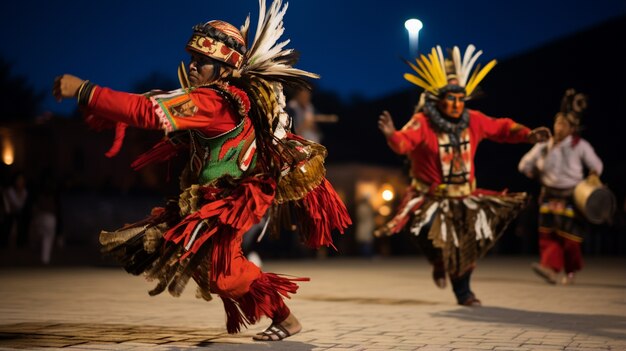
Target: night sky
x,y
355,46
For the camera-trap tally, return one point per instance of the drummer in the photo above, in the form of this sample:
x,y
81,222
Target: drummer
x,y
558,165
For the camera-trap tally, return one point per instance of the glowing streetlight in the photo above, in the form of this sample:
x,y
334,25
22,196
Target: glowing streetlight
x,y
387,195
413,26
8,154
7,150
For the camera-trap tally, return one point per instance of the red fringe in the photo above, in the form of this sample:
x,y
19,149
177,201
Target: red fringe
x,y
98,123
227,217
327,212
265,298
120,133
162,151
222,251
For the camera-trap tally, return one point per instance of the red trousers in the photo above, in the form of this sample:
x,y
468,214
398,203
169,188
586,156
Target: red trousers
x,y
559,253
240,278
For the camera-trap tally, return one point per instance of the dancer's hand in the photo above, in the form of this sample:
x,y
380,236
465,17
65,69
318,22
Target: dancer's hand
x,y
594,179
538,135
66,86
385,124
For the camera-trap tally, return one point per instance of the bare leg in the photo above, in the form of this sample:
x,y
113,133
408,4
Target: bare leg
x,y
279,331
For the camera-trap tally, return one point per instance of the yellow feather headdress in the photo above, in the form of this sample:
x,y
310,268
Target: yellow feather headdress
x,y
431,70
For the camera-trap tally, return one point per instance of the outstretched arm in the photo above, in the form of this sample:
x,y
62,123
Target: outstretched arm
x,y
386,125
66,86
539,135
202,109
505,130
132,109
401,142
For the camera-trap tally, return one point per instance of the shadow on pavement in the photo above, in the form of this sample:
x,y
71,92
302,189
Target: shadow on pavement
x,y
59,335
368,300
592,324
534,280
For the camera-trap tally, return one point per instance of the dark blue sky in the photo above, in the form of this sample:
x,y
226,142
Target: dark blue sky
x,y
354,45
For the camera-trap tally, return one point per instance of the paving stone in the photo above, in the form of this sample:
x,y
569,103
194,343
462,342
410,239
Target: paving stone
x,y
340,309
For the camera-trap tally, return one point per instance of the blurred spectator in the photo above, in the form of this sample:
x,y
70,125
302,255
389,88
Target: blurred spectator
x,y
44,218
14,198
365,227
305,119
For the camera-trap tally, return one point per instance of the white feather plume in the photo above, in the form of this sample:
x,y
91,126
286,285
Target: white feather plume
x,y
245,27
463,65
468,53
456,58
265,56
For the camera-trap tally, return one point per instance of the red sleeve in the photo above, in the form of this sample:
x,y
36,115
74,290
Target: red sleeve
x,y
203,109
501,130
405,140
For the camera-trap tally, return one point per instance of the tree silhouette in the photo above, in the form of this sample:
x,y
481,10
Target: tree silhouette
x,y
19,100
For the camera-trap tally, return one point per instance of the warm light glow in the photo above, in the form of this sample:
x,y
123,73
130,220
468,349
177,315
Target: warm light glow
x,y
413,25
384,210
388,195
8,153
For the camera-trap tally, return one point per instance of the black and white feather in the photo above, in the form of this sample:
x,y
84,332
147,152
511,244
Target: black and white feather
x,y
266,56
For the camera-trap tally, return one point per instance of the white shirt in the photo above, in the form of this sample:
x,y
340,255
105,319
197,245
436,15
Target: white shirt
x,y
560,166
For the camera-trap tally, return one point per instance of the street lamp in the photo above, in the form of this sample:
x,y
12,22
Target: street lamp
x,y
6,146
413,26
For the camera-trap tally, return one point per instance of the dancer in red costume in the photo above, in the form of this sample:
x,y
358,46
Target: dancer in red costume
x,y
455,223
228,119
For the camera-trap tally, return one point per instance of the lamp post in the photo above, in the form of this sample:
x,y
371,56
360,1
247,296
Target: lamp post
x,y
413,26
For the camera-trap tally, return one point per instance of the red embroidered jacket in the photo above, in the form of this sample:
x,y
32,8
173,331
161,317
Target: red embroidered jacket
x,y
202,109
431,157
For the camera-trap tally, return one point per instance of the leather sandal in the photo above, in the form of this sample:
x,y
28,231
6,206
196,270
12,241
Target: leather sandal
x,y
274,332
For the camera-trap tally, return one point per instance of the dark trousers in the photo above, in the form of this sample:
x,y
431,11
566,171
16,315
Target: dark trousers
x,y
461,287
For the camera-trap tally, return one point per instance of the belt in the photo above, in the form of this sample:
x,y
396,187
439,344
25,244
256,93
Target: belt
x,y
445,190
556,192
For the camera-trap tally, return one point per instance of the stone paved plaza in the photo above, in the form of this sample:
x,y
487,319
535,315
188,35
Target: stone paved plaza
x,y
387,304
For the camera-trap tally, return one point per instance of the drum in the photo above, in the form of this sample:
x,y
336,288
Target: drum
x,y
595,201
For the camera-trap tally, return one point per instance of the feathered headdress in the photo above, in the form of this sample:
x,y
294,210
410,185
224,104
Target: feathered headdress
x,y
260,68
267,58
267,65
432,75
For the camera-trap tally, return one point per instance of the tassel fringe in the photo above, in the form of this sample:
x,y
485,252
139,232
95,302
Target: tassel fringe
x,y
324,212
263,299
162,151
